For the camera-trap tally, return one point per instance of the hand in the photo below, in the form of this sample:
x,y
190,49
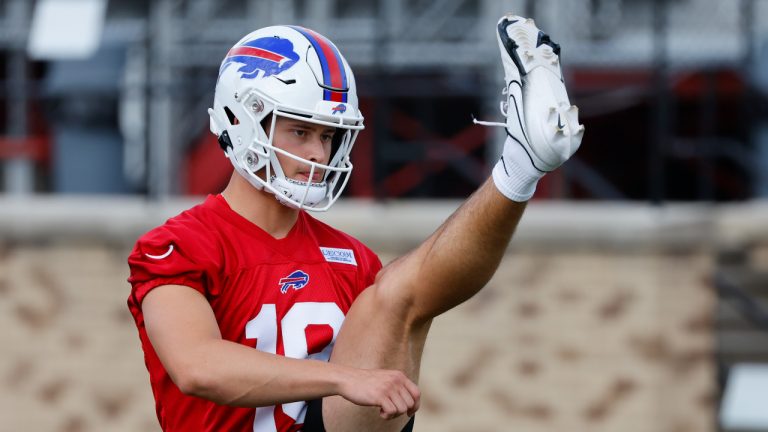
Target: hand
x,y
389,390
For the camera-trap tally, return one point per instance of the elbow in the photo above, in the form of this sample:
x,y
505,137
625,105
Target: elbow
x,y
208,386
193,374
194,381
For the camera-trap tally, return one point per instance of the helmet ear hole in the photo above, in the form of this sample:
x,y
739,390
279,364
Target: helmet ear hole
x,y
233,120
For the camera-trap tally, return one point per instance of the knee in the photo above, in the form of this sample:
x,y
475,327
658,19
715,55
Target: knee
x,y
396,296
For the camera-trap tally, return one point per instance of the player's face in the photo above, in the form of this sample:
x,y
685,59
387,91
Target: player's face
x,y
306,140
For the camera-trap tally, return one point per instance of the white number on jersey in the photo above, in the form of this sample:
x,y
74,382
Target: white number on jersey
x,y
263,328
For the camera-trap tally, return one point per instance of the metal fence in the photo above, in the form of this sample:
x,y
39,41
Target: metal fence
x,y
672,92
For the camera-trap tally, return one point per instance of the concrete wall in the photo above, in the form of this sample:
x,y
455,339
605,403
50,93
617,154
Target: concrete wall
x,y
575,335
578,341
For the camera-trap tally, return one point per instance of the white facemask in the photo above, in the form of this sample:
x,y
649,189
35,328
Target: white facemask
x,y
292,191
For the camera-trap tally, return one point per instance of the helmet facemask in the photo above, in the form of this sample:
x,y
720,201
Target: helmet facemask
x,y
257,161
318,196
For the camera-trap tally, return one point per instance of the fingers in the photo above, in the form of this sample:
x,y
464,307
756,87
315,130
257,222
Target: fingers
x,y
400,399
410,402
408,394
388,410
415,393
401,403
390,390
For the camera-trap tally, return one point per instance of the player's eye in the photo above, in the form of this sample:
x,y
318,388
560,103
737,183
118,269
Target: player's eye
x,y
326,138
300,132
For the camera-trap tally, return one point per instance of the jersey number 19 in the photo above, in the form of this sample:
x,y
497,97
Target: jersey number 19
x,y
263,328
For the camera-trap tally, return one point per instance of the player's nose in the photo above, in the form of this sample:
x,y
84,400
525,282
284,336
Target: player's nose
x,y
316,149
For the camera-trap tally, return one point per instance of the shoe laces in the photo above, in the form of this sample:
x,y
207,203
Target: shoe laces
x,y
503,107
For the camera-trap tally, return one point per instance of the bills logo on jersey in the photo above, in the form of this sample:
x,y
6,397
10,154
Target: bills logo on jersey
x,y
339,109
269,55
296,280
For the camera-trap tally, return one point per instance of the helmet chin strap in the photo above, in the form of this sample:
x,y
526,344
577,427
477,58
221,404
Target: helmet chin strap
x,y
295,190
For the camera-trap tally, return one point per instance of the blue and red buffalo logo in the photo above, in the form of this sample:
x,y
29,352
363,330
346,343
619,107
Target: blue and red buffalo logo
x,y
340,109
296,280
269,55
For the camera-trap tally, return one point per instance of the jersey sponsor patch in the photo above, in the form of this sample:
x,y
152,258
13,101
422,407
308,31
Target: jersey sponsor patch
x,y
296,280
344,256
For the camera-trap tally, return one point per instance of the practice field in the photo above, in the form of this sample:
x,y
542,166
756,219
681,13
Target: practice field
x,y
584,333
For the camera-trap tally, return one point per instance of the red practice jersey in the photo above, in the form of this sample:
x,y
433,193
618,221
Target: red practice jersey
x,y
287,297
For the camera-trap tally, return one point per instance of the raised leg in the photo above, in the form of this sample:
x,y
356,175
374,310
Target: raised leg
x,y
387,325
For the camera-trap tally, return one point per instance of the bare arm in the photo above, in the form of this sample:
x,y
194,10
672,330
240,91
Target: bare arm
x,y
184,333
458,259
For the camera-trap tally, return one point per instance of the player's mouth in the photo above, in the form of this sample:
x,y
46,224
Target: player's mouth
x,y
317,177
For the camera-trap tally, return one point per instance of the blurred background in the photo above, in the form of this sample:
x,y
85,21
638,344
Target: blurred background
x,y
634,297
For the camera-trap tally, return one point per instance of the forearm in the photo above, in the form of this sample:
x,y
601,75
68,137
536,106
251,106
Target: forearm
x,y
184,333
232,374
460,257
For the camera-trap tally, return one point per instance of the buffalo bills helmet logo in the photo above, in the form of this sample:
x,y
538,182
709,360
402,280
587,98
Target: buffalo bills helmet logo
x,y
340,109
270,55
296,280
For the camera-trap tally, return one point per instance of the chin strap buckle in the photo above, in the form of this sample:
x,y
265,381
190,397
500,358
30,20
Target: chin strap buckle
x,y
224,141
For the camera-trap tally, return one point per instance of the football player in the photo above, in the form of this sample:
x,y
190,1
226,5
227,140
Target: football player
x,y
241,301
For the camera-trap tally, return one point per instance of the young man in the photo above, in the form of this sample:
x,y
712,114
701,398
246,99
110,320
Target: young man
x,y
250,269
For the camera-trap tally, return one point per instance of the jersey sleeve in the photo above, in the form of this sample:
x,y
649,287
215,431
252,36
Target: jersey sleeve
x,y
167,256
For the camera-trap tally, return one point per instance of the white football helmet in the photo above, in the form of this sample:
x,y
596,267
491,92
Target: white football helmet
x,y
292,72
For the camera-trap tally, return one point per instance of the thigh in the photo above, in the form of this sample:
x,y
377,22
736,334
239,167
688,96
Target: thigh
x,y
378,332
313,422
